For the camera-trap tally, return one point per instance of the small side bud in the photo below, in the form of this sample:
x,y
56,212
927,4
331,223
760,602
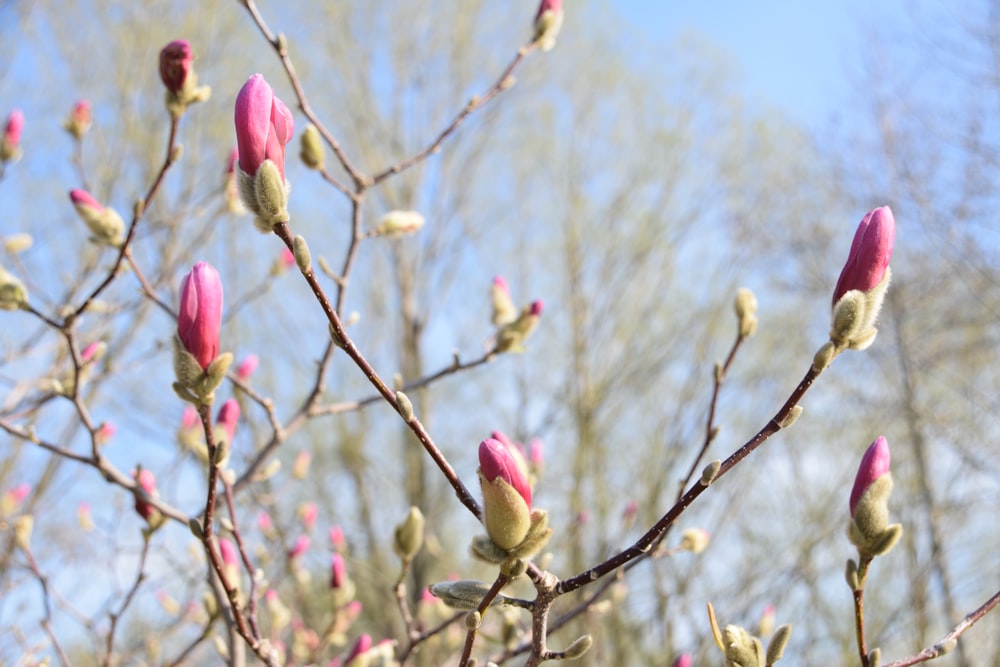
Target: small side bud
x,y
578,647
312,151
695,540
409,535
710,471
473,620
23,527
194,525
946,647
791,417
405,406
851,575
824,357
875,657
776,648
272,197
301,252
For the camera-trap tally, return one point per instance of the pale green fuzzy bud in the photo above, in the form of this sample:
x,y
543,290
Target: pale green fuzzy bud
x,y
23,527
15,244
513,567
742,649
245,186
578,647
506,514
405,406
695,540
272,196
473,620
537,537
186,367
485,549
409,535
947,647
107,227
776,648
710,471
887,540
746,308
824,357
851,575
399,223
848,318
791,417
13,295
871,515
300,250
463,594
312,151
875,657
194,525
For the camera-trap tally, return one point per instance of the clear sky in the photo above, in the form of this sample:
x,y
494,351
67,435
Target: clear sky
x,y
791,54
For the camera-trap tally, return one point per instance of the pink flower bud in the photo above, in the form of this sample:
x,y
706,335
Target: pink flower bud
x,y
506,495
548,21
147,482
263,126
361,646
200,314
12,129
228,552
104,434
287,258
536,308
264,522
229,415
85,203
81,113
190,419
92,351
84,517
20,492
870,253
874,464
300,547
501,284
247,366
338,572
175,64
683,660
308,513
337,540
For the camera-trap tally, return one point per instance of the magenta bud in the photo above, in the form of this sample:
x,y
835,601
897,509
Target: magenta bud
x,y
501,284
536,308
300,547
536,453
338,572
190,419
308,512
228,552
263,126
287,258
81,113
506,495
12,129
147,482
683,660
104,434
229,415
337,540
874,464
199,317
870,253
496,461
175,64
247,366
84,202
20,492
361,646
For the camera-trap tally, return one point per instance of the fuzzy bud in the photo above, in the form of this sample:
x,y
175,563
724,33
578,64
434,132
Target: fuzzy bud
x,y
504,310
776,648
409,535
512,336
695,540
548,23
13,294
199,316
104,223
79,120
399,223
177,74
745,306
300,252
10,141
579,646
312,151
15,244
506,495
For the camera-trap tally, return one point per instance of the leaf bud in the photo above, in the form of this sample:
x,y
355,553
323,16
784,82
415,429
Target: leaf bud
x,y
409,535
312,151
580,646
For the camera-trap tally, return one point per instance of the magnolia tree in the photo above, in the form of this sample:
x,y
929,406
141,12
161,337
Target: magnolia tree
x,y
248,590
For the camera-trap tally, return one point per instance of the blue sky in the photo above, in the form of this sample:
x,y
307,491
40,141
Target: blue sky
x,y
792,55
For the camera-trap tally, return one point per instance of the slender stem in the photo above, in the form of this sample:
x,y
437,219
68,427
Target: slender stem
x,y
945,644
642,546
859,609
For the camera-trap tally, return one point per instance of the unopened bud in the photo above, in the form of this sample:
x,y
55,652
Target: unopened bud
x,y
695,540
409,535
578,647
824,357
272,197
312,151
15,244
851,575
23,526
405,406
746,308
709,473
779,641
791,417
13,294
875,657
947,646
473,620
301,252
399,223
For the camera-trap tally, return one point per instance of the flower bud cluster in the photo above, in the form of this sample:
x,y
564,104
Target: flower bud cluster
x,y
103,222
197,363
861,288
177,74
514,531
869,528
514,327
264,125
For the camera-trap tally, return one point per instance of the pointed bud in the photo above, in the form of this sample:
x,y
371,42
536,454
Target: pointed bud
x,y
308,513
10,142
13,294
15,244
300,547
84,517
301,466
356,658
504,310
683,660
79,120
338,572
23,526
229,415
312,151
176,60
870,253
104,433
511,337
548,23
301,254
746,309
146,483
776,649
247,367
399,223
264,125
506,495
337,540
199,316
874,464
579,646
409,535
104,223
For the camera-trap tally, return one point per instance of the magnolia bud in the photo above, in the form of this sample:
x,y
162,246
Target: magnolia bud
x,y
13,294
409,535
312,151
399,223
